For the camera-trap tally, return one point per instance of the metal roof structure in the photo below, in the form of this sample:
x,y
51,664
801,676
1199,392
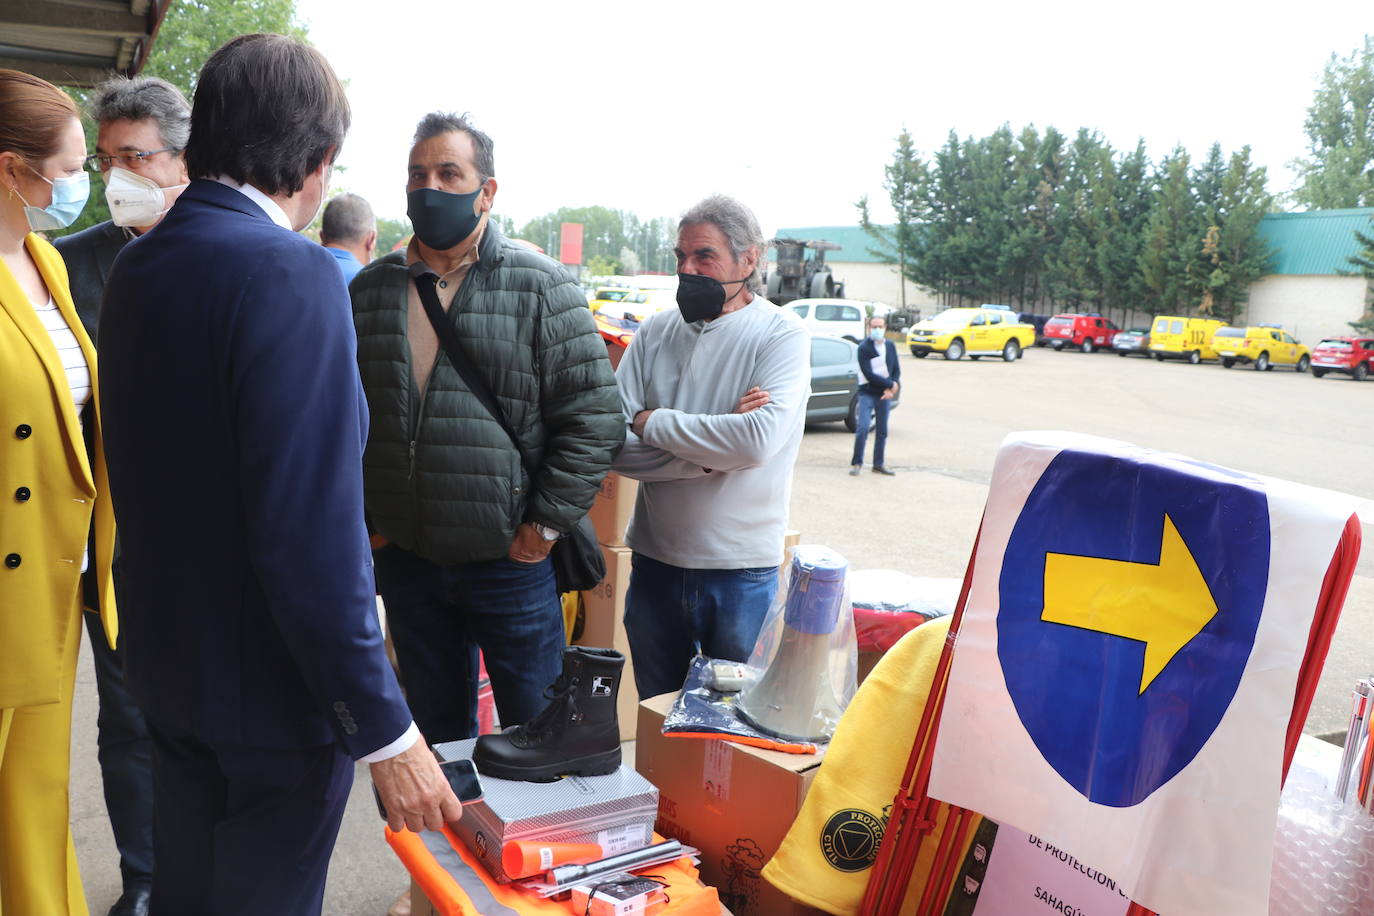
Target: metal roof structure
x,y
854,242
1317,242
78,42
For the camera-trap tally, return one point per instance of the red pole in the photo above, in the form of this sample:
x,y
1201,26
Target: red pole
x,y
912,816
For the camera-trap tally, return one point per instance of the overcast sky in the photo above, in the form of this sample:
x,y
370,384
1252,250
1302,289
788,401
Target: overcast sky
x,y
648,107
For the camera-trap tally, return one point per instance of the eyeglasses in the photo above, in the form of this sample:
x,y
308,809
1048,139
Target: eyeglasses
x,y
128,160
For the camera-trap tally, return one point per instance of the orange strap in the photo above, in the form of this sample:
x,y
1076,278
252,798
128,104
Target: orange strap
x,y
767,744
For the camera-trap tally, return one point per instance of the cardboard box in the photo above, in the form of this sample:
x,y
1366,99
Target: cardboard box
x,y
419,902
868,660
790,538
610,514
734,803
603,626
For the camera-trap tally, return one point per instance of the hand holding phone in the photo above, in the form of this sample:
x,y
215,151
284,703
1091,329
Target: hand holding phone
x,y
413,792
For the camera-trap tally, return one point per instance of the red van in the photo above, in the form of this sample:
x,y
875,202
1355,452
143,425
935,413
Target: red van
x,y
1084,332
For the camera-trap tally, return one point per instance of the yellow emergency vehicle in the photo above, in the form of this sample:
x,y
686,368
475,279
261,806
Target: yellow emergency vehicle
x,y
1176,337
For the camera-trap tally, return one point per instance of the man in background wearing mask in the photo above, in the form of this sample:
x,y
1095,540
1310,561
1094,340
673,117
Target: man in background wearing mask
x,y
349,230
715,398
470,520
878,361
143,126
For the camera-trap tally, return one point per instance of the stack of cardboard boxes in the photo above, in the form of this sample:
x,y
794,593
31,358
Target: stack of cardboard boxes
x,y
603,622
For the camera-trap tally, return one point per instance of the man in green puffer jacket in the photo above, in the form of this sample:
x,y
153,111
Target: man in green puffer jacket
x,y
468,529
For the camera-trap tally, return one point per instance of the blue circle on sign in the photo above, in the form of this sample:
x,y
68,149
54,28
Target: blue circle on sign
x,y
1078,691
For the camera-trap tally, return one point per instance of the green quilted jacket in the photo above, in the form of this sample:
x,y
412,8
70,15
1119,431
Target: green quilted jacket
x,y
440,475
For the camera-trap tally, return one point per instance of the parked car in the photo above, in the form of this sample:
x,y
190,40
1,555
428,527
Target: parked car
x,y
1263,346
609,295
1134,340
841,317
978,332
1177,337
835,380
1353,356
1083,332
1038,323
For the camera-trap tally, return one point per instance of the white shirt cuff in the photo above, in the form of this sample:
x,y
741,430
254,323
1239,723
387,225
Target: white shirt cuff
x,y
395,748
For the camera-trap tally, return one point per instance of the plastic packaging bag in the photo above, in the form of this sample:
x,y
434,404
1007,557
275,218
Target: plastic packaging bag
x,y
701,710
801,675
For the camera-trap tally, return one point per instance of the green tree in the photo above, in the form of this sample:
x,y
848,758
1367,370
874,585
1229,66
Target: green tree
x,y
194,29
1338,171
390,232
1242,254
905,180
609,234
1082,211
1172,240
190,33
600,266
1363,260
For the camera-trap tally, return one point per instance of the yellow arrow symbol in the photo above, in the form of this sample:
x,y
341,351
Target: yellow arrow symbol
x,y
1163,605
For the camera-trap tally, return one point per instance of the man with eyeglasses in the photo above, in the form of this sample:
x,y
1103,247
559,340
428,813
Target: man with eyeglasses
x,y
144,124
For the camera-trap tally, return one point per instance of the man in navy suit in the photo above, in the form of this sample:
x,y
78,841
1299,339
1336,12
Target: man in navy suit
x,y
882,373
234,434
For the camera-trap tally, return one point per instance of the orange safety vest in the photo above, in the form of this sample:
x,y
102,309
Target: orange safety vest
x,y
457,885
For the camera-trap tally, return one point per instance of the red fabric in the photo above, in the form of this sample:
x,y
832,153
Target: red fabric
x,y
878,631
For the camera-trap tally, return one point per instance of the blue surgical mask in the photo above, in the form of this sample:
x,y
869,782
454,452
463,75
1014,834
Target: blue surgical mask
x,y
69,195
876,333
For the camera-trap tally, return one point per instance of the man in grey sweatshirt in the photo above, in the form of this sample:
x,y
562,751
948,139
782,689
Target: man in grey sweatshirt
x,y
715,396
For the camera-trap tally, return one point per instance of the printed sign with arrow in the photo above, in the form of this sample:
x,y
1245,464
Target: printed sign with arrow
x,y
1163,605
1129,599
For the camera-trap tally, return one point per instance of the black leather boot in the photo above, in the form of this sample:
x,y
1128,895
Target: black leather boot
x,y
577,733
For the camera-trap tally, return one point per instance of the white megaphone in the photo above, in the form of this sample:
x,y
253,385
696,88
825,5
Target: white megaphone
x,y
796,698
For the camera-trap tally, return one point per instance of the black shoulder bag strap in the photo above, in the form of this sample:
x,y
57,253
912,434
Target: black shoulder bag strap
x,y
429,298
577,560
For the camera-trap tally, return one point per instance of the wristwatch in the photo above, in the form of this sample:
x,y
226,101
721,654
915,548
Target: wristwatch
x,y
547,533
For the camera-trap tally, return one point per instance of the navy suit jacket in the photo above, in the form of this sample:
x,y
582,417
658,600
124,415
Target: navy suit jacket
x,y
235,423
875,383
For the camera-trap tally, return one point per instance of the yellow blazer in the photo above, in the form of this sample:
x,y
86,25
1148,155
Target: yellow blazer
x,y
41,451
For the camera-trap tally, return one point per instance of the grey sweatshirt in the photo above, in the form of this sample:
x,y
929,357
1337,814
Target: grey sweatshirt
x,y
716,484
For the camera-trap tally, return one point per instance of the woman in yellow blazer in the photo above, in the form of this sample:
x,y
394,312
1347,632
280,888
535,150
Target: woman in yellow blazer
x,y
52,495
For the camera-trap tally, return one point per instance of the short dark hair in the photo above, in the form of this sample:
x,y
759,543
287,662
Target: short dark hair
x,y
347,218
439,122
144,98
268,110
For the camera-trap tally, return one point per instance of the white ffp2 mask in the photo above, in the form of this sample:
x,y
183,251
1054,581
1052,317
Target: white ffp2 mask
x,y
135,200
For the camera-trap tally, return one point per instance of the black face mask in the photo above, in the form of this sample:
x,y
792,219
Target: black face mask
x,y
442,219
700,297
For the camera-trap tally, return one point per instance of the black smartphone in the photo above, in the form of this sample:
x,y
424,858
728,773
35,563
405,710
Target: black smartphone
x,y
462,779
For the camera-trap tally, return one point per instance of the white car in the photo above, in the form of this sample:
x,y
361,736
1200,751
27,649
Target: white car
x,y
839,317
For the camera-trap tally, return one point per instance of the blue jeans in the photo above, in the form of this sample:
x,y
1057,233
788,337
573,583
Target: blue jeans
x,y
441,615
670,611
871,405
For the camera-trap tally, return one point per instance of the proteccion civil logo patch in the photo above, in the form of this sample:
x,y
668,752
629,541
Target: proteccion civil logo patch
x,y
850,839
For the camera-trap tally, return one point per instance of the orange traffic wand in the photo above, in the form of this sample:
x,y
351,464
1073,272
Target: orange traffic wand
x,y
523,858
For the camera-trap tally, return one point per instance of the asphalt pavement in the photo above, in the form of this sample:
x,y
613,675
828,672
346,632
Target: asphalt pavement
x,y
942,443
